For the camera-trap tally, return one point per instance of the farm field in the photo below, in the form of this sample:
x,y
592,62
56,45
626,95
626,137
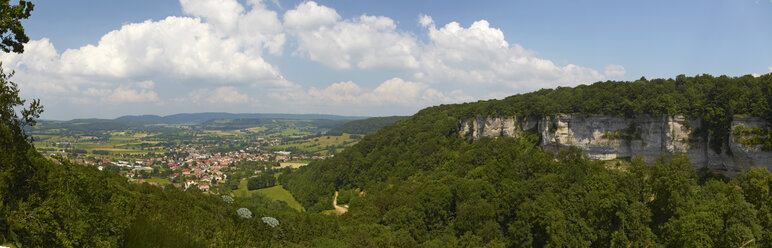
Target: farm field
x,y
117,143
158,180
121,140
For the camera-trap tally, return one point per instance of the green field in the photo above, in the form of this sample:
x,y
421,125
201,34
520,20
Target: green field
x,y
158,180
276,193
329,212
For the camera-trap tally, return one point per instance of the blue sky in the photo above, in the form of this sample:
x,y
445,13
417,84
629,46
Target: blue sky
x,y
105,59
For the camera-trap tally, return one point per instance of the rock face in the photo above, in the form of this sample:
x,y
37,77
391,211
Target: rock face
x,y
611,137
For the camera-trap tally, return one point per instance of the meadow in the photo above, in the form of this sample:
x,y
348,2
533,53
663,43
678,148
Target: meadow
x,y
276,193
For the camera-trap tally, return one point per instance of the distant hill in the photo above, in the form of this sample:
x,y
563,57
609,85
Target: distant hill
x,y
234,124
197,118
366,126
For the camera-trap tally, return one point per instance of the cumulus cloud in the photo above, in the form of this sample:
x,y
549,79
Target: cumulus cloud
x,y
615,71
479,54
227,94
769,68
395,91
254,28
366,42
425,20
310,15
124,94
220,43
337,93
96,92
177,47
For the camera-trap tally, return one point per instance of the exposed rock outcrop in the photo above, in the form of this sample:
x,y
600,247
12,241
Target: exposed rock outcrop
x,y
611,137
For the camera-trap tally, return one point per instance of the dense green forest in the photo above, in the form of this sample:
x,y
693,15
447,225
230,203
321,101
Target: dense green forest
x,y
366,126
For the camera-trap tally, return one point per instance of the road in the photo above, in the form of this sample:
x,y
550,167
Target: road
x,y
338,209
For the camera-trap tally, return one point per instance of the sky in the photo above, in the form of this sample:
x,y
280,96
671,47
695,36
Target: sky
x,y
105,59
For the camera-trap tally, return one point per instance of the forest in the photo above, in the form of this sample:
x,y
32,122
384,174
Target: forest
x,y
366,126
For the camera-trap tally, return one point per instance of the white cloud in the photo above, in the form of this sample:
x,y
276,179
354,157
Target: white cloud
x,y
227,95
474,55
310,15
337,93
479,54
178,47
124,94
425,20
770,68
254,28
615,71
398,91
222,43
367,42
392,92
223,13
147,84
96,92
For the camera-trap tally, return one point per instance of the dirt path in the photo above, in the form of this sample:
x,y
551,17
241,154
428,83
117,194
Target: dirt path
x,y
338,209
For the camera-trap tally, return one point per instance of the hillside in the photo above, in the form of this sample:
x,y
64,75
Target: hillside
x,y
365,126
420,177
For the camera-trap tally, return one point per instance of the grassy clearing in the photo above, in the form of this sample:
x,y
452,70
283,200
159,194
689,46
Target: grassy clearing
x,y
292,164
330,212
158,180
220,133
242,191
256,129
276,193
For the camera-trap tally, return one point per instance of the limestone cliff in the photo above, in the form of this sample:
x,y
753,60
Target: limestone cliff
x,y
610,137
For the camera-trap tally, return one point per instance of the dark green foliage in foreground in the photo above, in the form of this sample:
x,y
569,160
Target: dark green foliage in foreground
x,y
366,126
11,31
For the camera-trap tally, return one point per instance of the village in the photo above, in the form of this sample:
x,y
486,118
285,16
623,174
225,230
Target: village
x,y
191,165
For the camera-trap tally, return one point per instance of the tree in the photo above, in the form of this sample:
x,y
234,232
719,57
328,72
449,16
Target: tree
x,y
264,180
10,21
15,166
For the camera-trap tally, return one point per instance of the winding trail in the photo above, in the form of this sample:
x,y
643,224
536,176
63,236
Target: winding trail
x,y
338,209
